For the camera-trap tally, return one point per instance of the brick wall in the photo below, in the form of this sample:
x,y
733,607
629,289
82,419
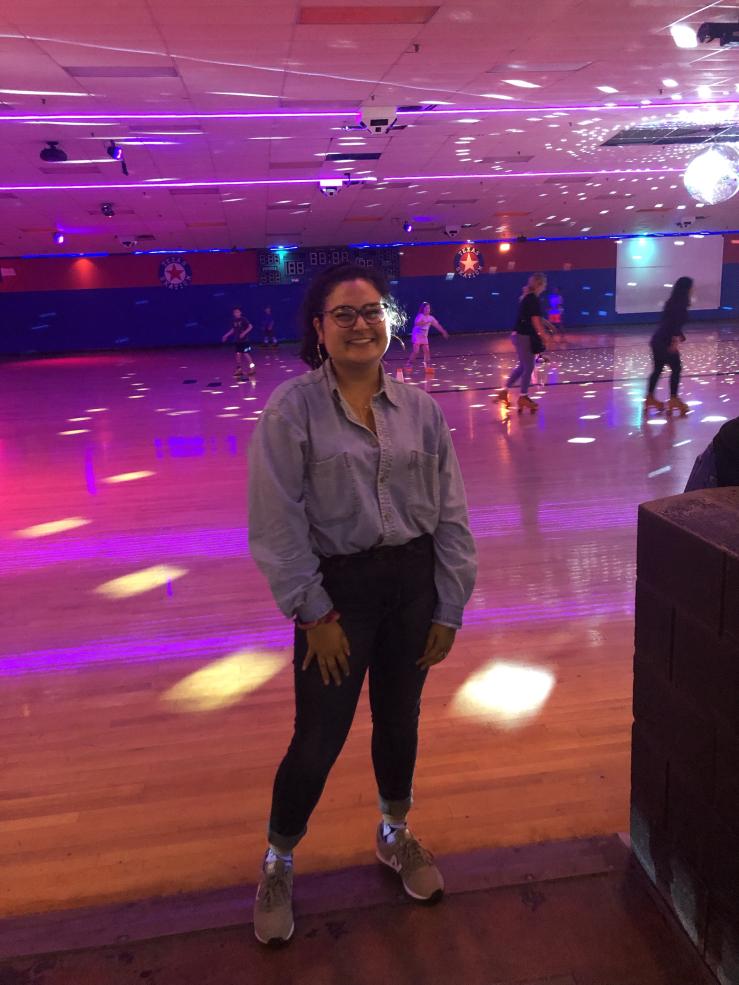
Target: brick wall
x,y
685,757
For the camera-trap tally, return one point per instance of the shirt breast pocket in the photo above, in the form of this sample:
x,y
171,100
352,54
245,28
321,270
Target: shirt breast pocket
x,y
331,491
423,485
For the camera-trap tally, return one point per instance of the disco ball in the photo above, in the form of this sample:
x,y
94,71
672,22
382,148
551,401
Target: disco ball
x,y
713,176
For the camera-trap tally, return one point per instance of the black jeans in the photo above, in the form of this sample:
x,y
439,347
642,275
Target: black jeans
x,y
386,597
664,357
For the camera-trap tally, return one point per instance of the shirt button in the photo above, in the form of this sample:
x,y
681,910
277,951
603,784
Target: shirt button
x,y
385,516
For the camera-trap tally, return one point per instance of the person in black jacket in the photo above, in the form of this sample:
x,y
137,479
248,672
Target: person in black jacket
x,y
527,338
665,347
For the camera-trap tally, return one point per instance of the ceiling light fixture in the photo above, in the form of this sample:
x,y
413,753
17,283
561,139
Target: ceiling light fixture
x,y
670,83
40,92
684,36
609,90
113,151
522,84
58,237
107,210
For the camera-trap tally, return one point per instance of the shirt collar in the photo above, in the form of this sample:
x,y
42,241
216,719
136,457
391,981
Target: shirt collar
x,y
330,375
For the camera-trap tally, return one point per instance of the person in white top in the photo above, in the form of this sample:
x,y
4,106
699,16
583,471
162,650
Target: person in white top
x,y
420,336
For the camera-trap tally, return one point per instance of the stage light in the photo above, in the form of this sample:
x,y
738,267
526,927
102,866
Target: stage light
x,y
52,153
58,237
504,247
140,581
508,693
684,36
114,151
225,682
107,210
712,176
52,527
407,226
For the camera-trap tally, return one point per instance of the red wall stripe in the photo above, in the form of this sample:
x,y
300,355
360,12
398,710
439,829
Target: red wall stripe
x,y
121,271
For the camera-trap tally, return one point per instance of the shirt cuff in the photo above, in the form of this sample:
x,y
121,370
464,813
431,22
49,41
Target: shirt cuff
x,y
448,615
316,607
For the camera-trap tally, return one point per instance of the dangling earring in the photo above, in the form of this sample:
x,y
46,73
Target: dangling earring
x,y
321,357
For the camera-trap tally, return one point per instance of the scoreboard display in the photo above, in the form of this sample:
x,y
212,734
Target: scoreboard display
x,y
301,266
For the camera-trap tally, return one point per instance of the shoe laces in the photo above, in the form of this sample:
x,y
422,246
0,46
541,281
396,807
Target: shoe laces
x,y
412,853
274,891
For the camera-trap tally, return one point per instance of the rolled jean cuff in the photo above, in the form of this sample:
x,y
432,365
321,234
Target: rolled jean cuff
x,y
285,843
396,808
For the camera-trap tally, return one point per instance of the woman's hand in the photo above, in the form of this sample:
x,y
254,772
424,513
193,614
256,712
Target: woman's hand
x,y
330,648
438,644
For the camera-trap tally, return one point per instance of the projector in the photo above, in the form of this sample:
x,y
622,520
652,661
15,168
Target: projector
x,y
451,231
377,119
52,153
330,186
726,34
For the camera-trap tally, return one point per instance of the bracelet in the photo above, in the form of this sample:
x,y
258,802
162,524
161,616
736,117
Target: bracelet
x,y
332,616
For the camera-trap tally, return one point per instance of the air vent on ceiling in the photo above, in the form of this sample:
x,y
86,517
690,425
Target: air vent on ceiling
x,y
64,170
666,135
167,128
145,237
538,67
356,14
418,108
208,190
289,165
508,159
456,201
568,179
318,104
121,71
353,157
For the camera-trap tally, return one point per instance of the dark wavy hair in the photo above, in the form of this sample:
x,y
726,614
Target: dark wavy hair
x,y
680,296
314,303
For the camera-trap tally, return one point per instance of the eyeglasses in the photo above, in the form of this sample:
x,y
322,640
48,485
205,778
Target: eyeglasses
x,y
346,315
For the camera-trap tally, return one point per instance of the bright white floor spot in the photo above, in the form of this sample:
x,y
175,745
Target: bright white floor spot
x,y
507,693
580,441
52,527
127,476
140,581
224,682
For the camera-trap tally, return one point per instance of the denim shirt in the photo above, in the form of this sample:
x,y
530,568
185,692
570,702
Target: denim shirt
x,y
321,483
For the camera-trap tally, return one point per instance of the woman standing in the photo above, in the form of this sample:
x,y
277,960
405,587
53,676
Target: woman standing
x,y
665,347
358,519
420,335
527,338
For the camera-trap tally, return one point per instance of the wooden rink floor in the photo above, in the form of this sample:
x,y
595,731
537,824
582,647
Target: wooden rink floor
x,y
146,700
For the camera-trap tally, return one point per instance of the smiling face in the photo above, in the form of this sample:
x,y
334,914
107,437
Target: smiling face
x,y
361,344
